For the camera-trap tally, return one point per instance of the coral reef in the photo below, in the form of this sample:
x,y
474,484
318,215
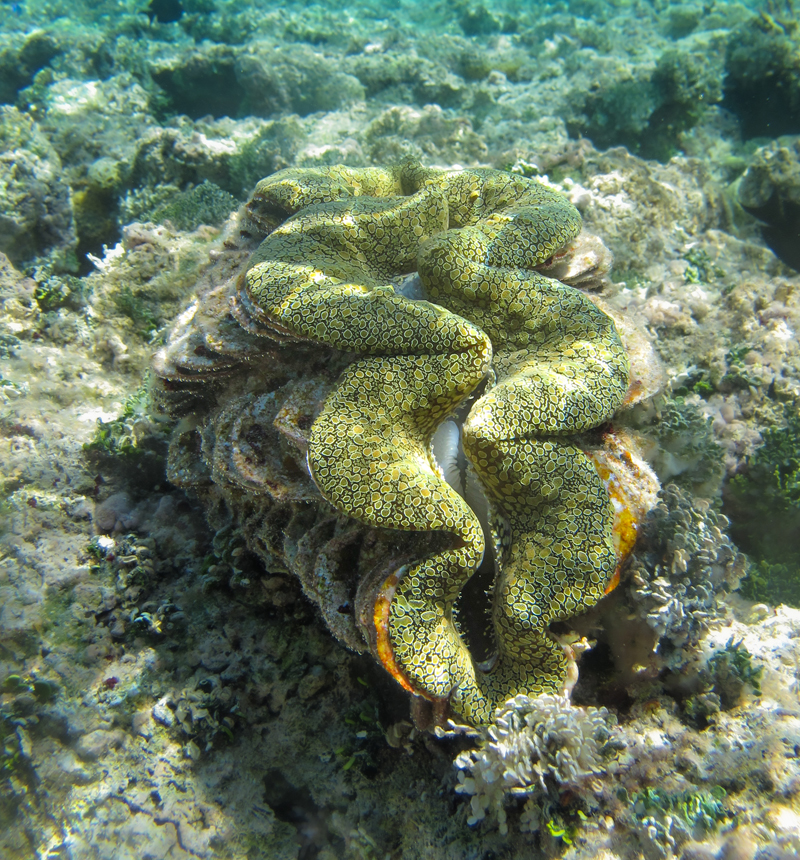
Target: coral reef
x,y
652,785
167,686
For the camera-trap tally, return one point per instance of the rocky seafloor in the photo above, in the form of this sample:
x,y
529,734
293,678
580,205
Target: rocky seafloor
x,y
165,696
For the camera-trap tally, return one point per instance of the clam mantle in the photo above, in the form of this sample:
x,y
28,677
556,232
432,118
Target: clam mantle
x,y
388,309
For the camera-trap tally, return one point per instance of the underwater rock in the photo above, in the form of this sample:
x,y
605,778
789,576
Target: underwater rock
x,y
399,132
97,743
405,78
684,449
95,126
770,190
294,80
274,742
19,311
263,80
200,82
22,55
36,216
761,81
204,204
634,204
232,154
114,514
648,109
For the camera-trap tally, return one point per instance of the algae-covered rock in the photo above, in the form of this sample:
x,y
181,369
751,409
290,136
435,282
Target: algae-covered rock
x,y
261,80
621,190
682,19
36,208
770,190
763,503
94,127
232,154
762,75
616,109
200,83
400,131
476,20
92,119
402,76
21,56
204,204
686,83
685,450
646,108
295,79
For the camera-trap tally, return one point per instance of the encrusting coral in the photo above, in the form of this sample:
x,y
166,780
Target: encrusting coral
x,y
522,362
689,563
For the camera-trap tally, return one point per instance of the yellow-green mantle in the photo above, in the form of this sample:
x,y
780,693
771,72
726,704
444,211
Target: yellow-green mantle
x,y
551,365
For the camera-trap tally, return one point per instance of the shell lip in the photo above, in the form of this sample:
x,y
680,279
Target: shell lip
x,y
372,606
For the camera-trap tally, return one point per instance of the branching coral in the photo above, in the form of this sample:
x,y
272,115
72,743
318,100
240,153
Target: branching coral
x,y
535,746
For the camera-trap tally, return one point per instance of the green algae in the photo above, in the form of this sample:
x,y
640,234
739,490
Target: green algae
x,y
139,308
736,376
130,446
773,582
700,811
60,627
206,203
732,669
60,291
701,269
